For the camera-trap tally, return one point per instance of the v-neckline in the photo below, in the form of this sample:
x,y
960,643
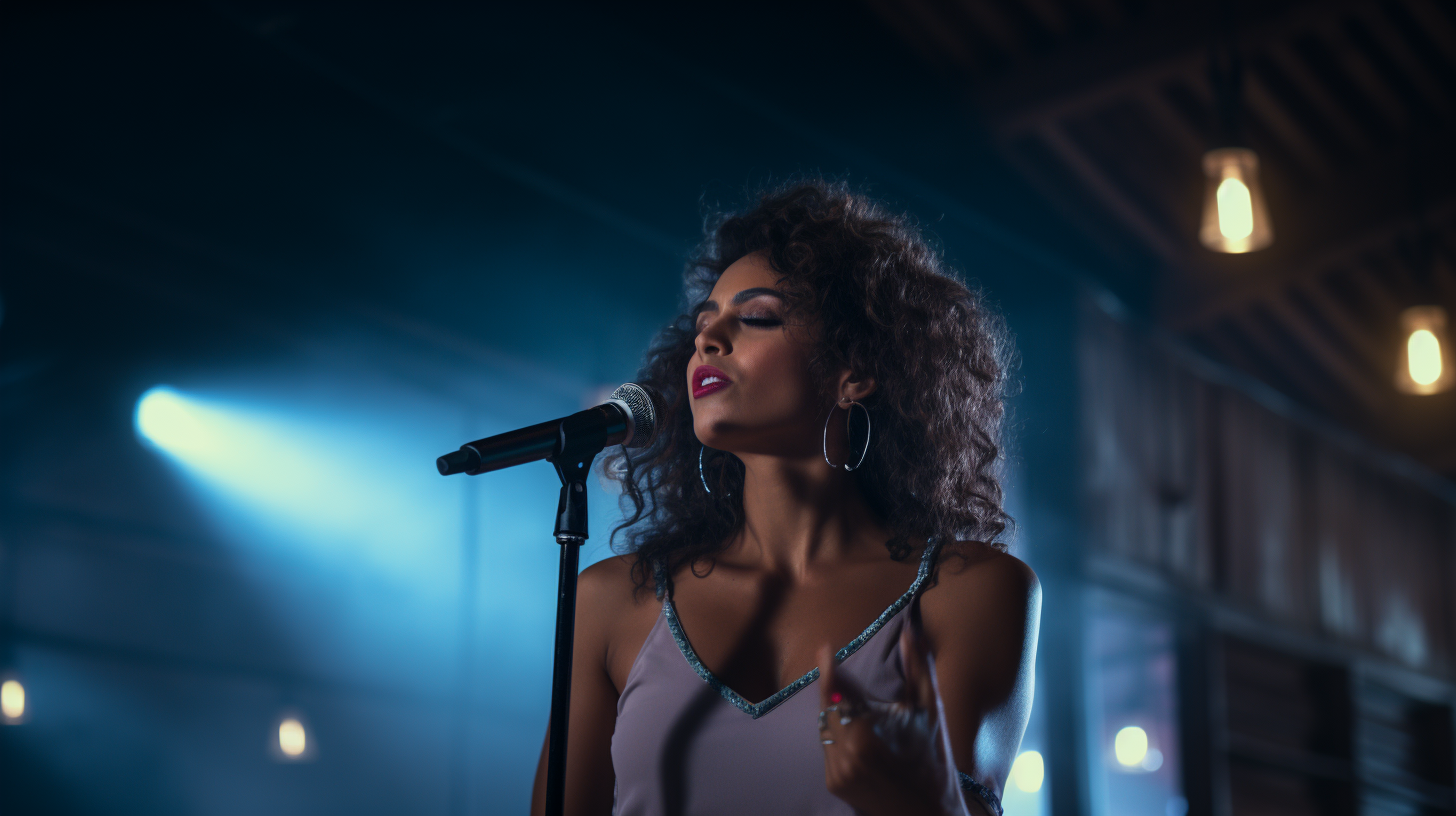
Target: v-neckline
x,y
756,710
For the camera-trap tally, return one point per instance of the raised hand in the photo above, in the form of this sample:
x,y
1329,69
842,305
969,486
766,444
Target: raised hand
x,y
888,758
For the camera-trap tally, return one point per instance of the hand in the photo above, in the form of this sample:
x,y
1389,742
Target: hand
x,y
888,759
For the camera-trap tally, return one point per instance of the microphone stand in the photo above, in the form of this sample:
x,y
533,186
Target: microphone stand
x,y
576,446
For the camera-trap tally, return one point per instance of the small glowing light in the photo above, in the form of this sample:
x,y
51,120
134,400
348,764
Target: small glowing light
x,y
1235,210
292,740
1153,761
1234,216
12,699
1423,367
1425,356
1130,746
1028,771
167,419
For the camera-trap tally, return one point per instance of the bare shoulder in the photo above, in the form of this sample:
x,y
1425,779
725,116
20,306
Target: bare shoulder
x,y
614,614
976,582
610,586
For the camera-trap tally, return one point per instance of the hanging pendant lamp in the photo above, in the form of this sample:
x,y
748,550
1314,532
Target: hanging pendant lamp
x,y
1235,217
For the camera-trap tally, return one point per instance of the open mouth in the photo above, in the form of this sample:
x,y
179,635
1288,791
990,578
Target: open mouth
x,y
707,379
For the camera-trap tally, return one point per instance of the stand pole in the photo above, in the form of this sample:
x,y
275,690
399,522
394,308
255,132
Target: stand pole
x,y
572,460
561,672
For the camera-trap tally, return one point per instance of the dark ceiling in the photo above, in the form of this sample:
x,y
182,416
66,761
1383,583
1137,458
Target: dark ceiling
x,y
1106,107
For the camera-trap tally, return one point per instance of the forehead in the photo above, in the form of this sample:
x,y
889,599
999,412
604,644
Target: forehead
x,y
748,272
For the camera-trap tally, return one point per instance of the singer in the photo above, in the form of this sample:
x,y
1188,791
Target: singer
x,y
814,611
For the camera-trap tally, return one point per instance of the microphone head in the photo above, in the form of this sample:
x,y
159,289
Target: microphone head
x,y
641,410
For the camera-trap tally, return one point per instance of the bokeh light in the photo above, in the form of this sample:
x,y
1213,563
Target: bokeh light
x,y
12,700
1028,771
292,738
1130,746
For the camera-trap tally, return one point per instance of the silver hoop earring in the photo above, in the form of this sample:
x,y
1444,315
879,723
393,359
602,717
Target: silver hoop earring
x,y
868,428
701,477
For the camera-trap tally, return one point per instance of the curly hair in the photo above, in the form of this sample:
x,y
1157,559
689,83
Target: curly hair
x,y
888,308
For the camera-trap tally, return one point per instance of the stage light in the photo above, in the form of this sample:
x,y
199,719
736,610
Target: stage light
x,y
1425,364
1130,746
1235,218
1028,771
292,738
168,420
12,701
1153,760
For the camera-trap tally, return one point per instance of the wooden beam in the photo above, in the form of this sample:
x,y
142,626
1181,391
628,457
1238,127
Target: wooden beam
x,y
1381,29
1374,401
1314,89
1054,190
989,21
1324,393
1171,41
1204,310
1297,143
1127,211
1434,23
1190,141
1371,352
1377,90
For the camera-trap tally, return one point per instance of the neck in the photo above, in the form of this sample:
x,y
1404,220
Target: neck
x,y
800,513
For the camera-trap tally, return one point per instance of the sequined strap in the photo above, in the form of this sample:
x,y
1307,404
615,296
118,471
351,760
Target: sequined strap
x,y
981,791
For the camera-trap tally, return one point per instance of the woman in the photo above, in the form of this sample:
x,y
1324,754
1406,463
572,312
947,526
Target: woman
x,y
813,614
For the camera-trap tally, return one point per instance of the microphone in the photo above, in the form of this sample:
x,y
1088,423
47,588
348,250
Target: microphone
x,y
628,417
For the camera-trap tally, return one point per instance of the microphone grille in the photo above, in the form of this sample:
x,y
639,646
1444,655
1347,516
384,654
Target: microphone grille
x,y
642,410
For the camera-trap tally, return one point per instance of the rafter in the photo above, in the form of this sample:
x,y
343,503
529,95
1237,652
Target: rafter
x,y
1092,176
1374,401
1204,310
1171,41
1315,90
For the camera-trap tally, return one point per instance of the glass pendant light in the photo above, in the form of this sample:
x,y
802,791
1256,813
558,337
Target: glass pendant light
x,y
1425,352
1235,218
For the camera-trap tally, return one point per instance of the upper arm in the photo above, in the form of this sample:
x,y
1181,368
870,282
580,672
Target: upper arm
x,y
602,589
982,629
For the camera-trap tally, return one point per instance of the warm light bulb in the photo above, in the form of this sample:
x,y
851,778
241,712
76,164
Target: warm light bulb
x,y
1424,351
1234,216
292,740
1423,367
1130,746
1235,210
1028,771
12,699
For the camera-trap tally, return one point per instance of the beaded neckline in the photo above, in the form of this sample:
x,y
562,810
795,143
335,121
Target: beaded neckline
x,y
756,710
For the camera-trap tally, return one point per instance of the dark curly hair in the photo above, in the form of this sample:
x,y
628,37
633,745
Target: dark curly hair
x,y
888,308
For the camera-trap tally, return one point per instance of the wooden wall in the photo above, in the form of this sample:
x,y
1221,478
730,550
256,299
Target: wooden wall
x,y
1223,494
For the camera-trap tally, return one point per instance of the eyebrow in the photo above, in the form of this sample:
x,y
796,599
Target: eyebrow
x,y
741,297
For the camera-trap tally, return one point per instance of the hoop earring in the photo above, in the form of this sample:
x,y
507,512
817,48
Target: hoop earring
x,y
701,477
868,428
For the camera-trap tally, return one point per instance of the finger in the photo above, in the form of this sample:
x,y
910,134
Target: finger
x,y
919,678
827,676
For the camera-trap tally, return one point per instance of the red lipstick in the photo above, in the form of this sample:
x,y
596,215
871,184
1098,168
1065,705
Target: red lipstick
x,y
707,379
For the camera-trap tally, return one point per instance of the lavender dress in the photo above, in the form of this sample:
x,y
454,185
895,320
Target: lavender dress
x,y
687,745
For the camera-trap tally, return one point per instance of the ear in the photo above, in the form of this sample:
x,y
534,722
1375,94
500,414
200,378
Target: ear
x,y
852,388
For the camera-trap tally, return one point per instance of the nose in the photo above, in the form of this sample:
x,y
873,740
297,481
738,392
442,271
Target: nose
x,y
714,338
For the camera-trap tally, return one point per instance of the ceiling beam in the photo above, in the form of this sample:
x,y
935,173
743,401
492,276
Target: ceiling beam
x,y
1374,401
1171,41
1091,175
1200,311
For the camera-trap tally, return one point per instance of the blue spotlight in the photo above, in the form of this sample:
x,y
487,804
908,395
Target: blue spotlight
x,y
167,419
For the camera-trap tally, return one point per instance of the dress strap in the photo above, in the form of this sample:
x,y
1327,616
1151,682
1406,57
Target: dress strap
x,y
982,792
